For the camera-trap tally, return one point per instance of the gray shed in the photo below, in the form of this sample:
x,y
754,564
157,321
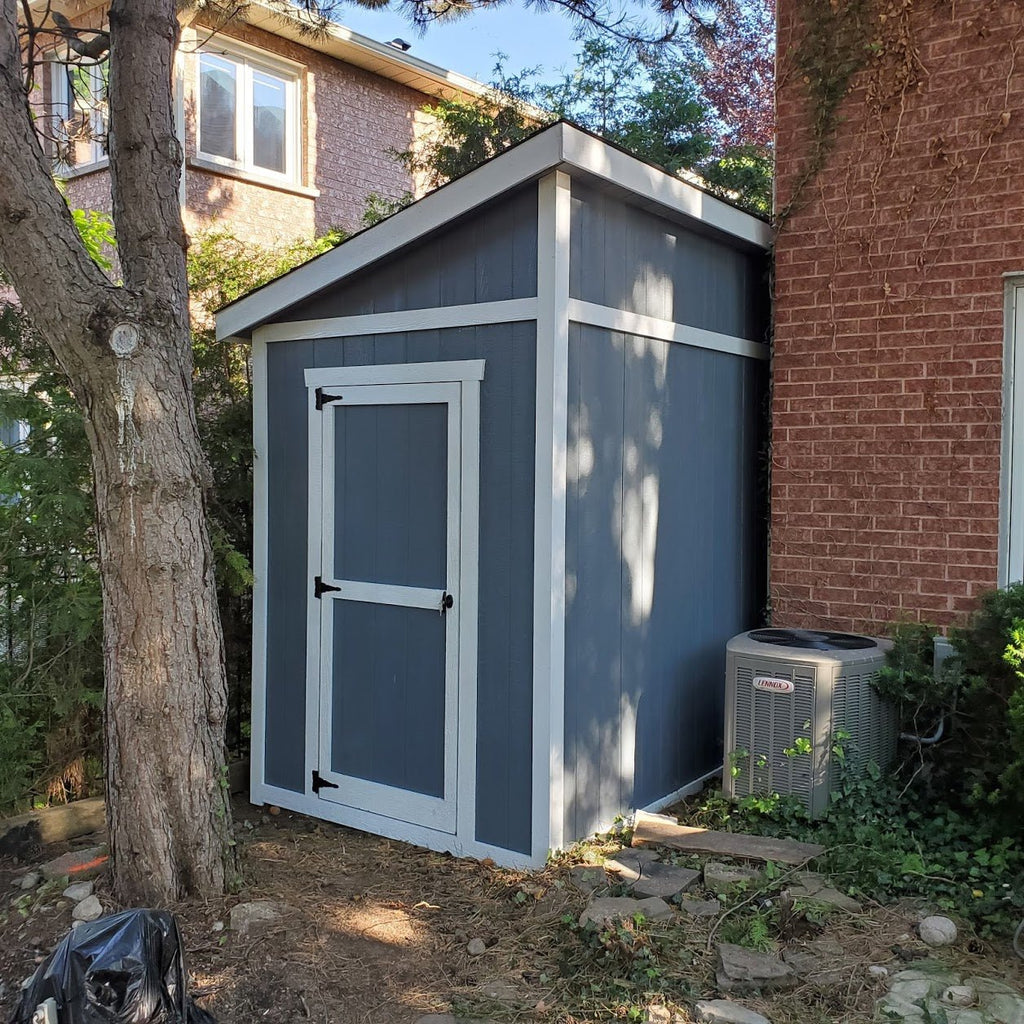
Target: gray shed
x,y
507,502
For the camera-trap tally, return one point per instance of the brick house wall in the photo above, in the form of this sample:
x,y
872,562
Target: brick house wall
x,y
350,119
889,320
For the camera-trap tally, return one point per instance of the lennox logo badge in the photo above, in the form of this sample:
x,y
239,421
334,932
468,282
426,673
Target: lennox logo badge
x,y
773,685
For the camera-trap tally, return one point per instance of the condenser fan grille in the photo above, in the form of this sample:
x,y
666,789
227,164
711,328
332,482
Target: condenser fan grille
x,y
812,640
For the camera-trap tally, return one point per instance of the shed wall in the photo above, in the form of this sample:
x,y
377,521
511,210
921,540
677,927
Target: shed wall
x,y
505,656
629,258
488,256
664,562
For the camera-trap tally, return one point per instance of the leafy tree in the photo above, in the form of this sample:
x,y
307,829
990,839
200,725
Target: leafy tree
x,y
126,349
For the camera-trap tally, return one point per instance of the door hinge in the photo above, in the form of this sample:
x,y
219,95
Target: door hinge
x,y
320,588
322,398
319,782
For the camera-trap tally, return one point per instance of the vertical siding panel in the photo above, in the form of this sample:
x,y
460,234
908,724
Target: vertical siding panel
x,y
573,558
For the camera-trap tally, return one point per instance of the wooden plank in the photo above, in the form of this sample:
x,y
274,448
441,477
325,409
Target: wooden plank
x,y
659,830
50,825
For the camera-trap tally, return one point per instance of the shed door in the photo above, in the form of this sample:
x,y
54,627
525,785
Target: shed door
x,y
391,502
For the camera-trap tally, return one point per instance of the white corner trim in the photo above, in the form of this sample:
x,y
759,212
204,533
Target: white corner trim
x,y
595,157
434,318
1011,452
392,828
260,560
396,373
553,214
593,315
454,200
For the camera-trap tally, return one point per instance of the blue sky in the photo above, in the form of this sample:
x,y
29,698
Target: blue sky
x,y
468,45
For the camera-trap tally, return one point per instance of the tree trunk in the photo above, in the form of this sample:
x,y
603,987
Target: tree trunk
x,y
127,351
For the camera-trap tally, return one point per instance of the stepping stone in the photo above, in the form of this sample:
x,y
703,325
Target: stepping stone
x,y
629,865
724,1011
814,888
587,879
606,910
660,830
664,880
745,970
700,908
727,877
78,864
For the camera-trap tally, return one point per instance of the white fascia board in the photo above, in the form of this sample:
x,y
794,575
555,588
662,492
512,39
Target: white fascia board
x,y
559,146
362,51
595,157
502,174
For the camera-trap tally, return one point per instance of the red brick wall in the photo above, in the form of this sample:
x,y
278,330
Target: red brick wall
x,y
889,321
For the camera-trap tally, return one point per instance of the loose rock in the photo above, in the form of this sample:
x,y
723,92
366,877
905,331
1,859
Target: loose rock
x,y
745,970
878,971
606,910
937,931
78,864
88,910
79,891
476,947
659,1015
217,926
959,995
29,880
257,916
724,1011
727,877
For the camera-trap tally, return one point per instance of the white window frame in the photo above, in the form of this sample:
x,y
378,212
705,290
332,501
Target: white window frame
x,y
248,60
64,110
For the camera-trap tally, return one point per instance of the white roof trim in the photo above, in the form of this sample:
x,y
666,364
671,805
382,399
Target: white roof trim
x,y
559,145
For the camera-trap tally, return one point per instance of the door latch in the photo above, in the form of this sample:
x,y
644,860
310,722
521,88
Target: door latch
x,y
446,602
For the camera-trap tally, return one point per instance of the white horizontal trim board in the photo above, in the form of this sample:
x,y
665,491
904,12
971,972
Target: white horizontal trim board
x,y
391,828
396,373
592,315
387,593
434,318
560,146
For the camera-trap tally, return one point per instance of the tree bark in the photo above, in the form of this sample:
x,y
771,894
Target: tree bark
x,y
127,350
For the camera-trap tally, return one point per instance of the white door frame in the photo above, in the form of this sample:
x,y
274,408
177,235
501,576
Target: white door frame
x,y
369,805
1011,498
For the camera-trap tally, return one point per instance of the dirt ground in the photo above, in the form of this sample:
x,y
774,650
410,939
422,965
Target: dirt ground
x,y
379,932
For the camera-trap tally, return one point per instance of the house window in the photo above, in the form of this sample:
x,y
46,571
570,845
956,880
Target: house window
x,y
1011,532
248,115
80,113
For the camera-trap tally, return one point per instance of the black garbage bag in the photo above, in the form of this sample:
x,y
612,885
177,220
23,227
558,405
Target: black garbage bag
x,y
128,968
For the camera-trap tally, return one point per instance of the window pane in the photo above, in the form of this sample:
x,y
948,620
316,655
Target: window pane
x,y
218,101
269,129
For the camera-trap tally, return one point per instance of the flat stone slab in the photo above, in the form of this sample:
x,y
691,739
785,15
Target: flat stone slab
x,y
745,970
931,992
814,888
606,910
587,878
78,865
257,917
628,865
725,1011
665,880
727,877
660,830
700,908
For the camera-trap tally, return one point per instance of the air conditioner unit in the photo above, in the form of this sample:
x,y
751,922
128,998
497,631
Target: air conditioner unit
x,y
791,696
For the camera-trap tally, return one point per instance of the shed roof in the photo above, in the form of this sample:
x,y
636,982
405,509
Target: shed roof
x,y
560,146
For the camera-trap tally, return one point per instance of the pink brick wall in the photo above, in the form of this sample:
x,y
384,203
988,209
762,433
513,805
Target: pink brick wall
x,y
889,326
